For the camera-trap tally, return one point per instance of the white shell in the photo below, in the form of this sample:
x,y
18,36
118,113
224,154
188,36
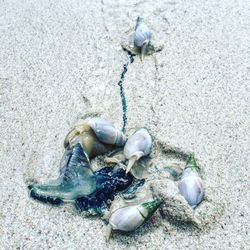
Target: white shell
x,y
139,144
106,132
128,219
190,186
142,35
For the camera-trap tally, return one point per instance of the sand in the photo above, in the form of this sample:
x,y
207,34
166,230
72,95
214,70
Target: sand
x,y
62,59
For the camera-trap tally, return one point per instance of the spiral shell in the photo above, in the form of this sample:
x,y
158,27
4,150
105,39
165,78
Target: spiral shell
x,y
190,185
106,132
138,145
142,34
129,218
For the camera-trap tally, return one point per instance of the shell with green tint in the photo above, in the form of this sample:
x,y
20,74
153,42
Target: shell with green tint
x,y
190,185
192,164
129,218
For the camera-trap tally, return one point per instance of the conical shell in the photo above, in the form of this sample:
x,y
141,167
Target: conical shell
x,y
142,34
190,185
129,218
139,144
106,132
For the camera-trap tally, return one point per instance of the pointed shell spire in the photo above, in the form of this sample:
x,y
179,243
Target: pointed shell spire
x,y
142,37
129,218
190,185
191,163
142,33
106,132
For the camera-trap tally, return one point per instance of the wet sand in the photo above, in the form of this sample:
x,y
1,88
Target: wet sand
x,y
61,60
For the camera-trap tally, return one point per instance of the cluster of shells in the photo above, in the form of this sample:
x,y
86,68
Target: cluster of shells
x,y
166,181
174,189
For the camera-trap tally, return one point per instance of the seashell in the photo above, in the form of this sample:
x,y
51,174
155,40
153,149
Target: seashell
x,y
190,185
96,135
88,140
129,218
174,208
141,41
142,36
106,132
142,33
79,128
138,145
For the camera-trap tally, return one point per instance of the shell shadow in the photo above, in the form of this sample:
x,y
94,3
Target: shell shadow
x,y
124,238
170,151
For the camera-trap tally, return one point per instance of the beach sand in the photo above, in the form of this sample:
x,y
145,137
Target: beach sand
x,y
62,59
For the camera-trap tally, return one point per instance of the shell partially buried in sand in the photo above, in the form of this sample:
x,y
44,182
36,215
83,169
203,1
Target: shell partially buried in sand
x,y
152,184
142,41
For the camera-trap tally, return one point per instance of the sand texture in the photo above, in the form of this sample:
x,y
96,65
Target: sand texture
x,y
60,60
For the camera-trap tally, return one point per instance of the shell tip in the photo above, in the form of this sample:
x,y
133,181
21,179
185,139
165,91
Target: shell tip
x,y
191,163
108,232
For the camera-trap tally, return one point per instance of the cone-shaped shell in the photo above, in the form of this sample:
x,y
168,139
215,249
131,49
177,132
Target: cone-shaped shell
x,y
129,218
150,207
126,219
142,34
191,163
106,132
139,144
175,208
190,185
